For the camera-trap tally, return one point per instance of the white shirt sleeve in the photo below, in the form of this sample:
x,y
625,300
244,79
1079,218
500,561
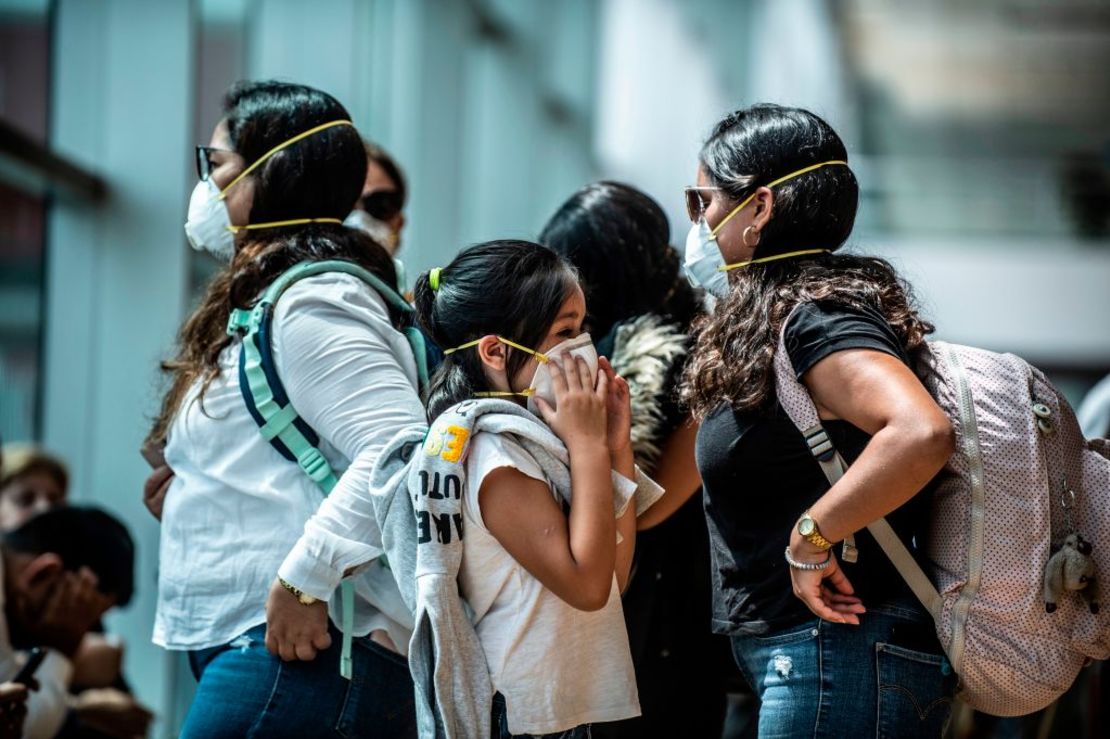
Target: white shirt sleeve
x,y
47,706
351,376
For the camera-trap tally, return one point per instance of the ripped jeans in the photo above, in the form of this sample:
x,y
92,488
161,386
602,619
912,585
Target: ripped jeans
x,y
244,691
886,677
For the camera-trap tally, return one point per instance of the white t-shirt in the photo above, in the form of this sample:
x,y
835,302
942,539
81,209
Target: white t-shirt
x,y
236,507
557,667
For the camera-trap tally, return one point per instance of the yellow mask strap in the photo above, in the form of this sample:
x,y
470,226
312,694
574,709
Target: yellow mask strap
x,y
775,258
279,147
502,394
779,181
460,347
540,356
278,224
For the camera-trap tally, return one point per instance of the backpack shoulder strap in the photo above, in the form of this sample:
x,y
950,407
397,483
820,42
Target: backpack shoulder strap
x,y
262,389
247,321
799,406
269,404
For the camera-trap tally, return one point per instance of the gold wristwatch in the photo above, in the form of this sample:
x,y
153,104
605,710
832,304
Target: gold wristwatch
x,y
302,597
807,527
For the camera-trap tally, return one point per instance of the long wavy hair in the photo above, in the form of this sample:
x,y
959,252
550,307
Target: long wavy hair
x,y
618,238
734,346
319,176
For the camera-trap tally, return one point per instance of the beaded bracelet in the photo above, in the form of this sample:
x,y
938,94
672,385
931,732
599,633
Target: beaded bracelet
x,y
807,566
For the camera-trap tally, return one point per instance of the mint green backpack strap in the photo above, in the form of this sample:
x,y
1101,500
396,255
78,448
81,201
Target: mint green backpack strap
x,y
247,320
419,352
269,404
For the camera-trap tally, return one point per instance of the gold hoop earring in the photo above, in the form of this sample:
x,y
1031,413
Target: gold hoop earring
x,y
744,236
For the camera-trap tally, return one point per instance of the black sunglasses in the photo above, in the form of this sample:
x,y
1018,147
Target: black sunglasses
x,y
697,201
205,165
382,204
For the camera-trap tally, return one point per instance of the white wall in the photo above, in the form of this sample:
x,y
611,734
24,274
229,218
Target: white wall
x,y
116,273
1047,302
659,92
463,114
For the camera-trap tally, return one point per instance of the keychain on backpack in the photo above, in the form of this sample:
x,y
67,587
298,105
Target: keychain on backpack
x,y
1071,568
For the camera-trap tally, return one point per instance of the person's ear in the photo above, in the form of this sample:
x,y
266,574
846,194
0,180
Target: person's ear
x,y
492,353
764,202
40,573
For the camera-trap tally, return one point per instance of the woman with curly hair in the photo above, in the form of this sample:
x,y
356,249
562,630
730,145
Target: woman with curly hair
x,y
831,640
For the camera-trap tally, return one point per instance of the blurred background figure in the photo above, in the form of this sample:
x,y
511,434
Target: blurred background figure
x,y
33,481
380,208
980,134
382,202
62,569
13,709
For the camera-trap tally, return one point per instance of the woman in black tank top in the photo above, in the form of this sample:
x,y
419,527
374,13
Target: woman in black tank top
x,y
831,647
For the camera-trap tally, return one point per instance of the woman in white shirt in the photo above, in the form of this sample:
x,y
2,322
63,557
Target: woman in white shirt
x,y
284,168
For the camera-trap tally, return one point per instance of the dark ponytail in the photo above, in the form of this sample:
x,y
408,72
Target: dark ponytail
x,y
512,289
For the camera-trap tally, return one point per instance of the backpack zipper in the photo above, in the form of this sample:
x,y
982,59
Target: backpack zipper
x,y
978,508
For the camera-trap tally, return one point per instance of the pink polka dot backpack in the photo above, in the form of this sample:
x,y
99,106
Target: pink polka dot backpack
x,y
1020,528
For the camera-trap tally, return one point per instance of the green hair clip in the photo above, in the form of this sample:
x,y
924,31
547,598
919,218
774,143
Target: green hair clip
x,y
433,278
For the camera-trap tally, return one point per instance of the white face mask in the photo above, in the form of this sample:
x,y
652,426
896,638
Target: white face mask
x,y
206,226
580,346
379,231
703,260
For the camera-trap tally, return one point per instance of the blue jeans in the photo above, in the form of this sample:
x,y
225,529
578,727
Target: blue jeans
x,y
499,728
244,691
886,677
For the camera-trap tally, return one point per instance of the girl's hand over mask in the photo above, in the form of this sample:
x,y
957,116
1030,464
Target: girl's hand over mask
x,y
580,414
